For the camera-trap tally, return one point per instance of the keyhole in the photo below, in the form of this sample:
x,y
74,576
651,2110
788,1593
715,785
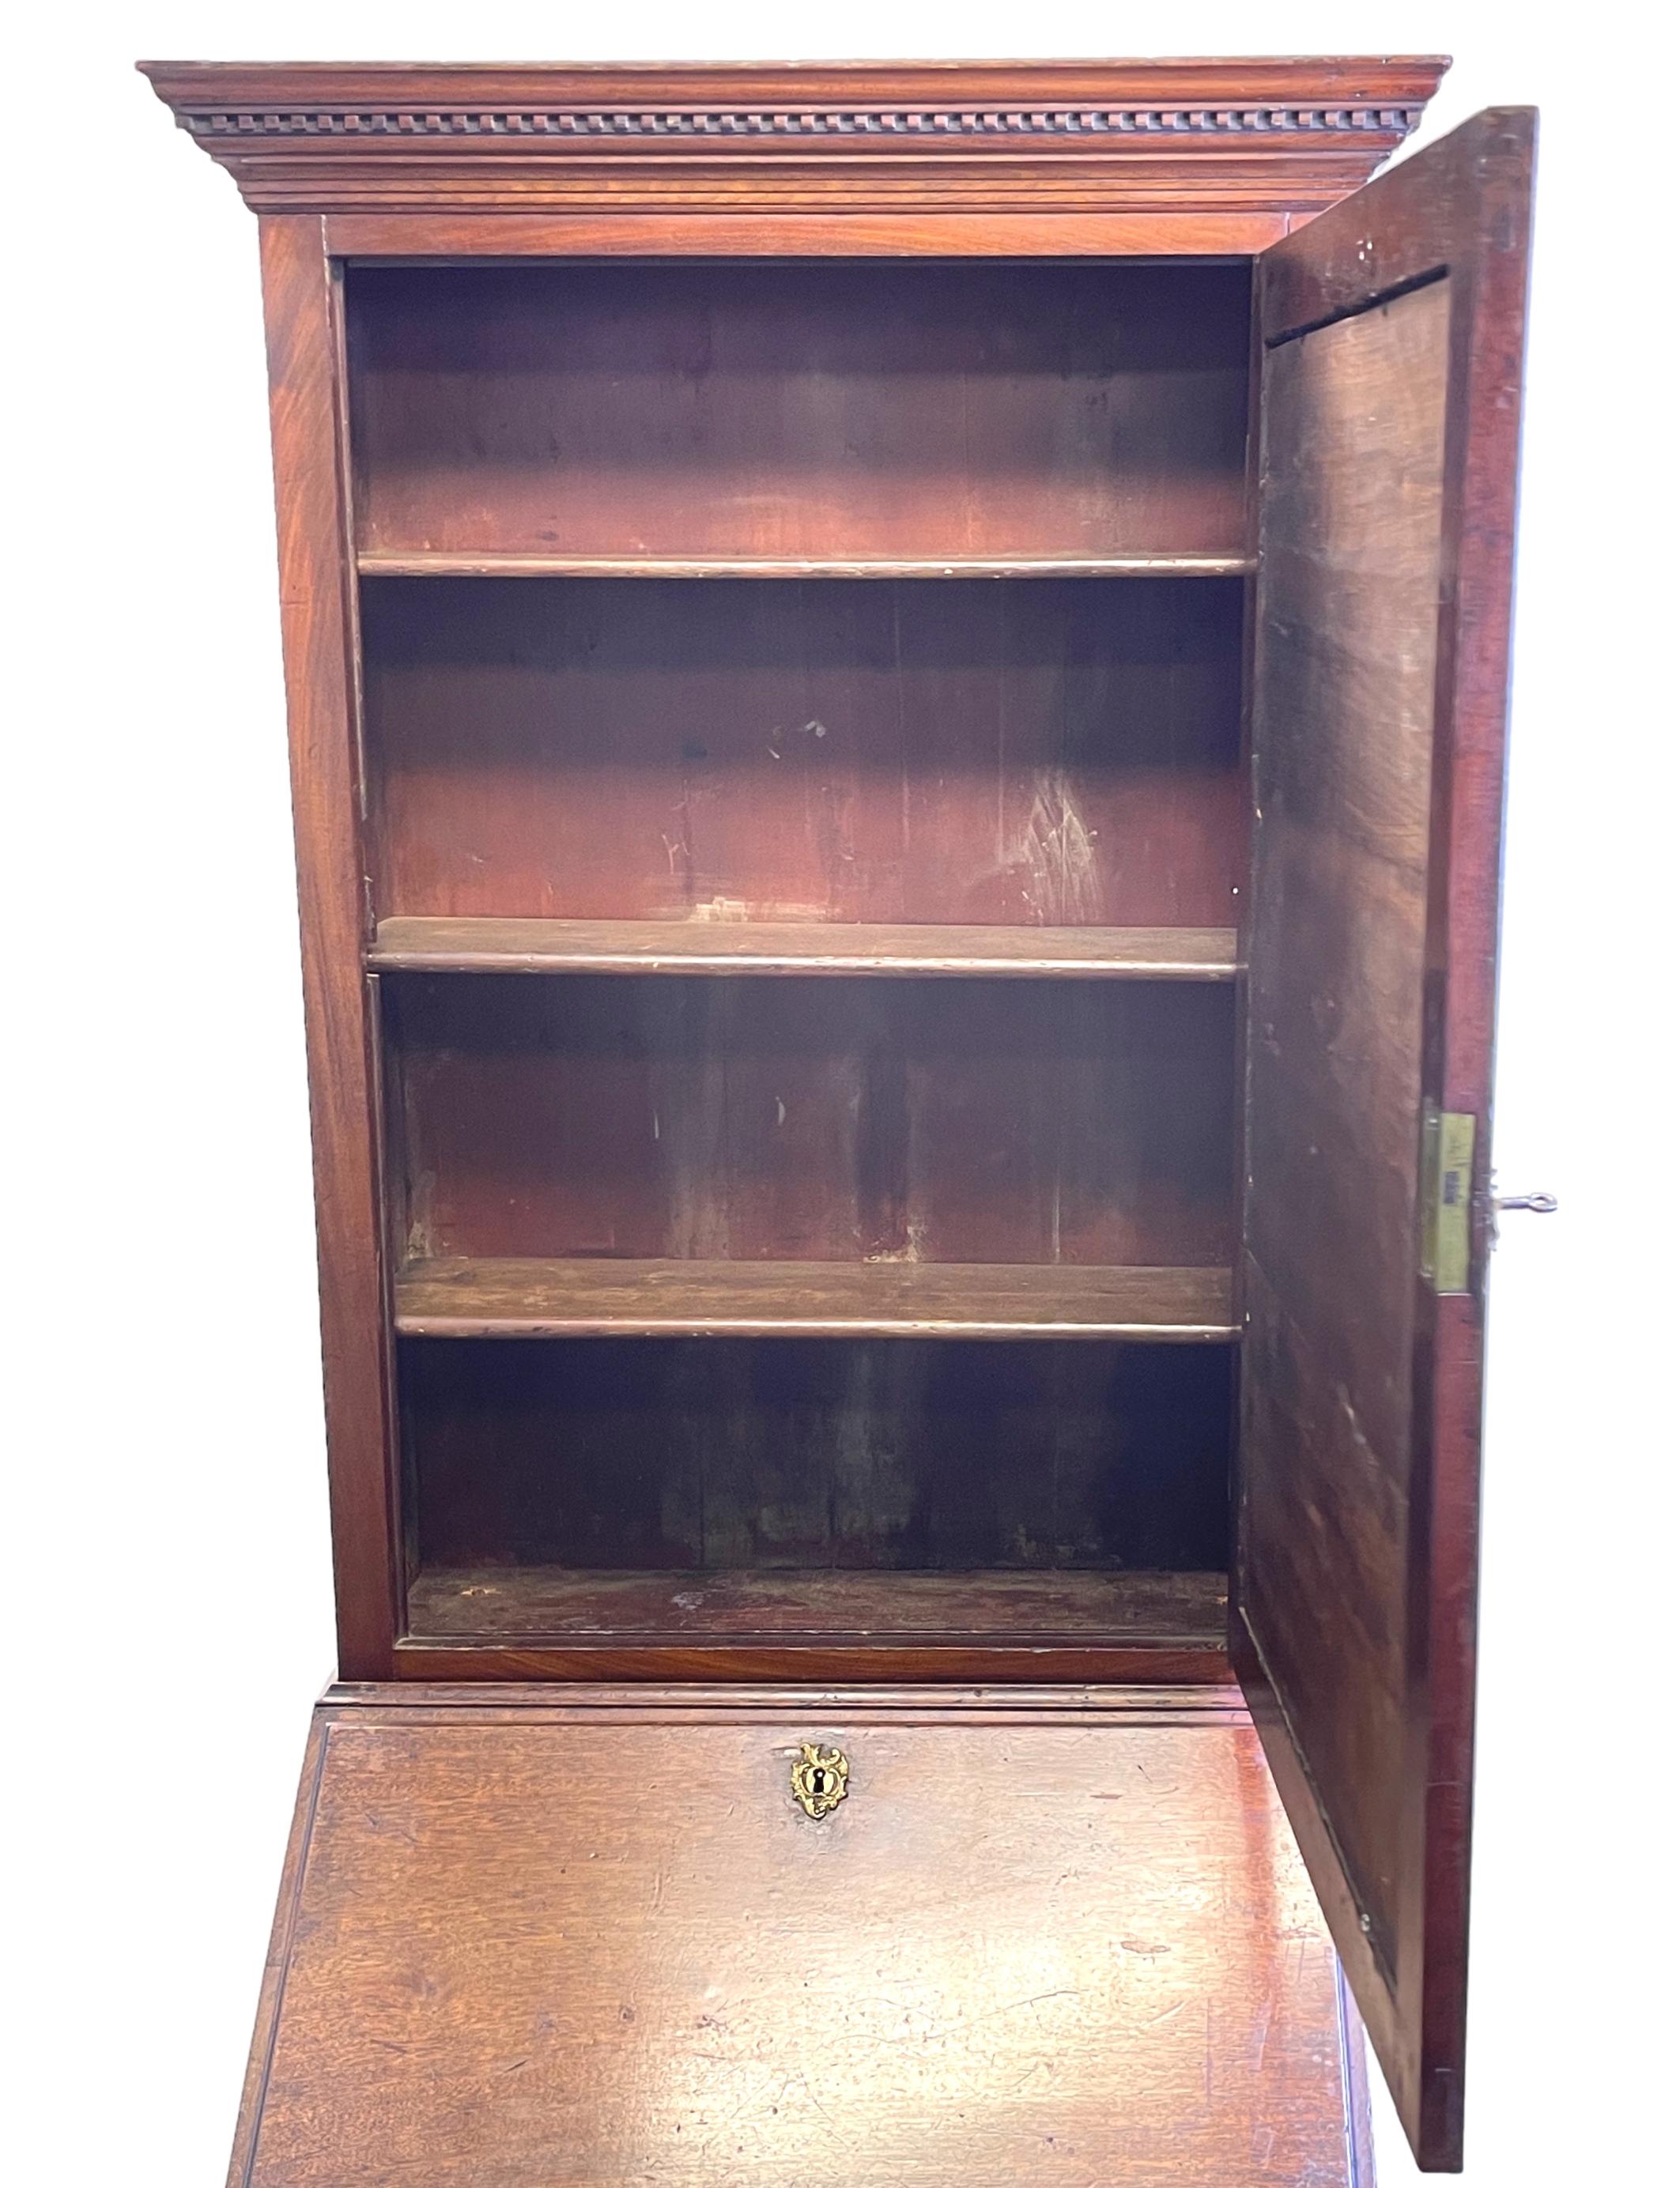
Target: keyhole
x,y
818,1783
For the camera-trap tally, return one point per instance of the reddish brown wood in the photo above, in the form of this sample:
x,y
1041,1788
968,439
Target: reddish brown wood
x,y
319,641
1085,1123
1040,755
953,1666
1001,137
520,1929
627,337
254,2094
952,1630
1386,547
803,235
966,408
1244,903
1469,797
426,563
1354,446
768,946
685,1702
461,1298
503,1623
1167,839
528,1603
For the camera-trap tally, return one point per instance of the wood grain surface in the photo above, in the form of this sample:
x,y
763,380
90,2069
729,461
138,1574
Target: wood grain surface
x,y
1393,332
450,562
1056,1944
904,234
532,1604
1352,535
459,1298
953,1662
1066,1122
1215,140
929,411
712,344
320,644
711,946
1056,753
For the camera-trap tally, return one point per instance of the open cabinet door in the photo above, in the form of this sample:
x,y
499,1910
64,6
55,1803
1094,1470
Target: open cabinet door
x,y
1392,333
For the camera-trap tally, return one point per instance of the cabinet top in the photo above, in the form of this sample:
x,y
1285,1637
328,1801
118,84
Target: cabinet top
x,y
1259,135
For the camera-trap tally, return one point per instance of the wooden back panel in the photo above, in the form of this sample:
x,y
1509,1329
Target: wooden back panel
x,y
883,1455
1051,1122
791,409
1050,753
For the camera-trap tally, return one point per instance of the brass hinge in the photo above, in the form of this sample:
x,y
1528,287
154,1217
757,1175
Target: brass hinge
x,y
1449,1158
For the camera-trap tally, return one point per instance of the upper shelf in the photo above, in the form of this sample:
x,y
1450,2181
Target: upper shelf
x,y
665,945
427,563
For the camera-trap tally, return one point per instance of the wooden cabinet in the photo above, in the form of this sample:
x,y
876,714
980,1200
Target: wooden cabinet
x,y
897,688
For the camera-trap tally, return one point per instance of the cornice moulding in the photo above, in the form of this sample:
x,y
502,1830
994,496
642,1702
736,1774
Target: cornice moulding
x,y
1119,135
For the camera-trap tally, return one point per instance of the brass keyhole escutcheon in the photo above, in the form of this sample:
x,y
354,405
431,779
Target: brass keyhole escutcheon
x,y
819,1775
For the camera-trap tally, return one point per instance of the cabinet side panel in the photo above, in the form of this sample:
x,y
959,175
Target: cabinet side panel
x,y
273,1994
317,641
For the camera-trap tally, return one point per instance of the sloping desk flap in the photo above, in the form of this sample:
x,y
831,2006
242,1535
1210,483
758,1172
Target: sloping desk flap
x,y
1043,1937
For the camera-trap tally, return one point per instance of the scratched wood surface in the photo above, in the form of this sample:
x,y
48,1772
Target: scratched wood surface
x,y
888,1453
1050,1945
528,1603
603,1297
1394,328
708,947
794,408
1344,742
1062,752
1079,1122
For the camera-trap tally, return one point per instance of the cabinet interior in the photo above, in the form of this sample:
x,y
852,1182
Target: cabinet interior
x,y
806,831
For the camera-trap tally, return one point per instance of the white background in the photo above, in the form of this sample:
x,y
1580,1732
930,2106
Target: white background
x,y
169,1613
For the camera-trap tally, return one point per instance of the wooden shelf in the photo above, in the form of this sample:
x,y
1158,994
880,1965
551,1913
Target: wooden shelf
x,y
1161,1610
427,562
652,945
507,1298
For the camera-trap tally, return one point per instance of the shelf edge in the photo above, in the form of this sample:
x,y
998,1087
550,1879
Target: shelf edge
x,y
399,945
380,563
419,1312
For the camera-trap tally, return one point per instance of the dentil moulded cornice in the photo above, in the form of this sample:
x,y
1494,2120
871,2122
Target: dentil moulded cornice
x,y
1035,136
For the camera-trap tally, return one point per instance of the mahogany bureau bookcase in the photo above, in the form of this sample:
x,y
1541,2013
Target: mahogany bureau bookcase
x,y
897,688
